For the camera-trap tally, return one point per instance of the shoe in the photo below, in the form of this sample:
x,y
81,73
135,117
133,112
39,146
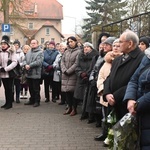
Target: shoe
x,y
61,103
100,137
69,110
3,106
90,121
8,107
53,100
28,103
105,145
98,125
73,113
47,100
36,105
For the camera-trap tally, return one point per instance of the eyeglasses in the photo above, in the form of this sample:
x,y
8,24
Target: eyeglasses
x,y
122,41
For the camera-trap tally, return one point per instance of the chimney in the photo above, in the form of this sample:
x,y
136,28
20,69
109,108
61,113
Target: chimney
x,y
35,8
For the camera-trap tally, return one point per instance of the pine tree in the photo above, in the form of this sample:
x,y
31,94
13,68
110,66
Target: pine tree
x,y
102,12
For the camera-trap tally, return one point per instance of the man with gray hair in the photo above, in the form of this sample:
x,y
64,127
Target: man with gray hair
x,y
123,68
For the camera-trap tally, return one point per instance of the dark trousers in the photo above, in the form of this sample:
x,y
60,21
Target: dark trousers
x,y
17,87
63,97
34,90
76,102
8,88
56,89
69,99
48,82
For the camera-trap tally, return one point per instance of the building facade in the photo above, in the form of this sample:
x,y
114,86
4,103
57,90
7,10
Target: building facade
x,y
41,21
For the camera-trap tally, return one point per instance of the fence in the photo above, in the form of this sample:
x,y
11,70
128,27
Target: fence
x,y
140,24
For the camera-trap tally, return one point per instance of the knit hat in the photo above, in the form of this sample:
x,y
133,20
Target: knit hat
x,y
145,40
88,44
5,39
17,42
109,40
52,42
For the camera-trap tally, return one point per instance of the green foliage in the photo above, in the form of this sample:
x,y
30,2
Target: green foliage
x,y
102,12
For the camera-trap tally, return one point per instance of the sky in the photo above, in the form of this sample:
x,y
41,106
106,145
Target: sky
x,y
74,11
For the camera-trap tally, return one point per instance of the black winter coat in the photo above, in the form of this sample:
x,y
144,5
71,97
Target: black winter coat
x,y
83,65
119,77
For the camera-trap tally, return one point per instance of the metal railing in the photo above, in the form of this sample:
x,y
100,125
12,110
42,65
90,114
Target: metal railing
x,y
138,23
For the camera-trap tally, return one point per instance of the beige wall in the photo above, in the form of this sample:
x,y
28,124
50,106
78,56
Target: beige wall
x,y
53,34
17,35
40,22
38,25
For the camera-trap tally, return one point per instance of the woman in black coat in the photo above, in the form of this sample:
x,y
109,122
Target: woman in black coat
x,y
83,71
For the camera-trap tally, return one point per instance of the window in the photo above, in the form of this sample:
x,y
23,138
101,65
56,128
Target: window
x,y
11,30
42,40
30,26
47,31
52,39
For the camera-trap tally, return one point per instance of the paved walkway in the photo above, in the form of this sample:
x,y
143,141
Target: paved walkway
x,y
44,128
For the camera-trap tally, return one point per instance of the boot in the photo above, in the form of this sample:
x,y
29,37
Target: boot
x,y
73,113
104,133
68,111
17,100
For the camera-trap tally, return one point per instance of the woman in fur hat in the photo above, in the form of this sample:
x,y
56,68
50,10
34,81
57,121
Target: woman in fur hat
x,y
7,52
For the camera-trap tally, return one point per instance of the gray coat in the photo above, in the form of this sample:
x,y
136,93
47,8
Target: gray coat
x,y
68,64
34,58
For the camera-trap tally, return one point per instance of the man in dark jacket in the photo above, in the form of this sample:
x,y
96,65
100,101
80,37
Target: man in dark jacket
x,y
123,68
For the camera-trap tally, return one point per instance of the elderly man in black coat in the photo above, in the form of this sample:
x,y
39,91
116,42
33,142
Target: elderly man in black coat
x,y
122,69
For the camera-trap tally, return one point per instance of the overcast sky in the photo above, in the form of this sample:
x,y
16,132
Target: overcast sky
x,y
74,11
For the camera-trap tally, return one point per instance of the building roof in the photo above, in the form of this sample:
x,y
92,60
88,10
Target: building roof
x,y
45,9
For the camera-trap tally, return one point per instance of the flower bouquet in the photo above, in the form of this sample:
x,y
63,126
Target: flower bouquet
x,y
123,135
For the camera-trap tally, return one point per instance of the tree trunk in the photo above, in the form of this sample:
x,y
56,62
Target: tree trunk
x,y
6,11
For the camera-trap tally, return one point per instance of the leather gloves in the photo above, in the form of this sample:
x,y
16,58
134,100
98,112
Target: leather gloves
x,y
83,75
49,68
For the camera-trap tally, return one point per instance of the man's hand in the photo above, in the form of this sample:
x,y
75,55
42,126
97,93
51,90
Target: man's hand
x,y
131,106
110,99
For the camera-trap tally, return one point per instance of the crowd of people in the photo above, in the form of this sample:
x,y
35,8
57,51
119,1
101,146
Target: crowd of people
x,y
114,76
